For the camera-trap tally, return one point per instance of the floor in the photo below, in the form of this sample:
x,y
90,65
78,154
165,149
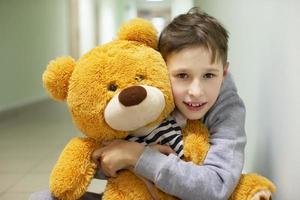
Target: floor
x,y
31,139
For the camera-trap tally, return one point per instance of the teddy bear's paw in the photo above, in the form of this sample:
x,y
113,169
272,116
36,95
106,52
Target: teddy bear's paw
x,y
262,195
74,170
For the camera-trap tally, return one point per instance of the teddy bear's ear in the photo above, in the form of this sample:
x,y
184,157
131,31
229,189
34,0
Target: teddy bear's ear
x,y
56,77
139,30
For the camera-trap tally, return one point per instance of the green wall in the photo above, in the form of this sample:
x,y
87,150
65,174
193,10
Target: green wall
x,y
31,33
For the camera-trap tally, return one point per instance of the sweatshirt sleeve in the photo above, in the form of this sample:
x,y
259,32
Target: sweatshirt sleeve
x,y
220,172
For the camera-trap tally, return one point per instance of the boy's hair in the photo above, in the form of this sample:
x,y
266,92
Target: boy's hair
x,y
193,29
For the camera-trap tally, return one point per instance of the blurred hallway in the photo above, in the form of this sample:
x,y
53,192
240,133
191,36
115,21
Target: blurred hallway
x,y
31,140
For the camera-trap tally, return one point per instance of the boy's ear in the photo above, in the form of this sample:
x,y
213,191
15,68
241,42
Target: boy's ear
x,y
56,77
225,70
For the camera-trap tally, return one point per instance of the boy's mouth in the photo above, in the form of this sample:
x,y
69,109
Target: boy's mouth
x,y
194,106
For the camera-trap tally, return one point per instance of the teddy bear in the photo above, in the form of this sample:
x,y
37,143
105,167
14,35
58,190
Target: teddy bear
x,y
118,89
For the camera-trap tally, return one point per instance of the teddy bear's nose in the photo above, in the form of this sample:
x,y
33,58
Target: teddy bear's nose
x,y
132,95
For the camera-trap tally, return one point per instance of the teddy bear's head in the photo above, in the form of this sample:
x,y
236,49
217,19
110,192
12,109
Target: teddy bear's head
x,y
117,87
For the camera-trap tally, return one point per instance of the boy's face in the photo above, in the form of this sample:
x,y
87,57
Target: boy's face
x,y
196,82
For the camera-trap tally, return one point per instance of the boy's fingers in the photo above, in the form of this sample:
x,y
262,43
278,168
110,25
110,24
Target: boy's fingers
x,y
107,172
166,149
96,155
163,149
113,174
105,143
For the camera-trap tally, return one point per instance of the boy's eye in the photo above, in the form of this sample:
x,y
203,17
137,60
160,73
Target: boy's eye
x,y
209,75
182,76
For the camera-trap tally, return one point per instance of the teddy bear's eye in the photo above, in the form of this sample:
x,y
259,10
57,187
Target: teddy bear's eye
x,y
112,87
139,77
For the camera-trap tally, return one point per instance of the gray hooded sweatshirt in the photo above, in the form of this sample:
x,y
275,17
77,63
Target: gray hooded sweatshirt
x,y
217,177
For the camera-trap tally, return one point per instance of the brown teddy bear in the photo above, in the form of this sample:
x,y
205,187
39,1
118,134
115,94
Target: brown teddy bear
x,y
116,88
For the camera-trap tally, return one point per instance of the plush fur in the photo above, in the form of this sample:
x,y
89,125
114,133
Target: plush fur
x,y
89,85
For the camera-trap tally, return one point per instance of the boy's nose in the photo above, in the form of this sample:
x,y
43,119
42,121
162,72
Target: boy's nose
x,y
195,90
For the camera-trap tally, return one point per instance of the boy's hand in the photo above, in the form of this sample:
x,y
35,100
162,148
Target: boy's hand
x,y
121,154
117,155
163,149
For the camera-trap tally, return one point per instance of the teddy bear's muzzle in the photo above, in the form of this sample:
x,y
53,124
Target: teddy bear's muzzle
x,y
134,107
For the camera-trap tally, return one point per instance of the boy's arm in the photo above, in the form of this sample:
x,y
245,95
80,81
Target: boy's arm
x,y
219,174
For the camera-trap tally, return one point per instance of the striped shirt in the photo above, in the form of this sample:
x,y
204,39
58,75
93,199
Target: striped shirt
x,y
168,133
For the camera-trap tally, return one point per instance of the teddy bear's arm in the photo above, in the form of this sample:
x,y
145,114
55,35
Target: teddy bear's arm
x,y
196,144
74,169
250,187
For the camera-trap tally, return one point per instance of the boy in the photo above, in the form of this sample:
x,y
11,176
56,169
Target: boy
x,y
194,46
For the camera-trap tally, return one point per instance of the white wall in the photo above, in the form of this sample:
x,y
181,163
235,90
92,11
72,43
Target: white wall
x,y
264,55
31,33
87,25
107,20
179,7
